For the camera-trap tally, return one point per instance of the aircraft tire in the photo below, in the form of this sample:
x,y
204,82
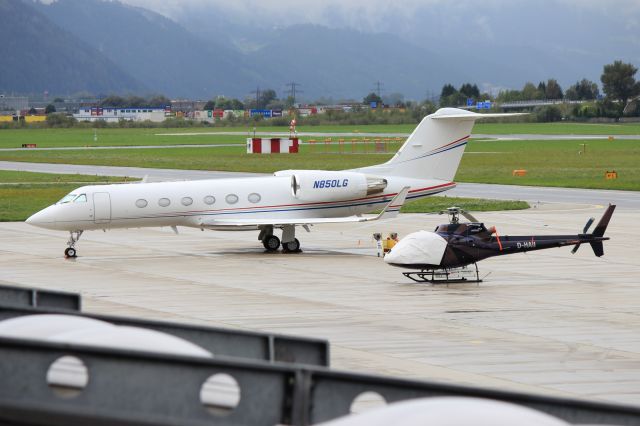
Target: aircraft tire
x,y
70,252
291,246
271,243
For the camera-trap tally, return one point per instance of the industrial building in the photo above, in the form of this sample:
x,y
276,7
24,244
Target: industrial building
x,y
112,114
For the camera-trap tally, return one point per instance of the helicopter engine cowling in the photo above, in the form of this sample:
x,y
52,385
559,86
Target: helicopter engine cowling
x,y
418,248
322,185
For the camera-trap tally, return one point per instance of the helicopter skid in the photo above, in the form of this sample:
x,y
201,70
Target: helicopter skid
x,y
446,276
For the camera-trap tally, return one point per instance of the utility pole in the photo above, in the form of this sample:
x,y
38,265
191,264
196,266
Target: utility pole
x,y
258,93
378,88
292,90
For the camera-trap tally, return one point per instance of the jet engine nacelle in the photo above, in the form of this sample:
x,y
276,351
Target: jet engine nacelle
x,y
322,185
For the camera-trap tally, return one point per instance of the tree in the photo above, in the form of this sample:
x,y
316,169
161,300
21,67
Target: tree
x,y
618,81
587,90
553,90
289,102
235,104
583,90
266,97
50,109
210,105
548,113
32,111
470,91
447,90
394,99
372,97
114,101
531,92
158,101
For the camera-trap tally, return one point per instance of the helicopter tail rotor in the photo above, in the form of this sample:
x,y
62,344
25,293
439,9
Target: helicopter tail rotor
x,y
584,231
598,232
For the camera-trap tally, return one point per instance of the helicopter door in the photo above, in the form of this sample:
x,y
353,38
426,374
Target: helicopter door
x,y
472,244
101,207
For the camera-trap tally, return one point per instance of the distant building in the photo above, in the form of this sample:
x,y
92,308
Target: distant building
x,y
13,103
112,114
187,105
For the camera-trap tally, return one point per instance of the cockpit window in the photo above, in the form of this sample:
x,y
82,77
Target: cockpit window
x,y
68,198
82,198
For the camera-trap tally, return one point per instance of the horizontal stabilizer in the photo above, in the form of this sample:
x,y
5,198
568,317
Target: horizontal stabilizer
x,y
462,114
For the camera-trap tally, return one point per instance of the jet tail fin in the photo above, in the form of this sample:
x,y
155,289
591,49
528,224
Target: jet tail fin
x,y
435,148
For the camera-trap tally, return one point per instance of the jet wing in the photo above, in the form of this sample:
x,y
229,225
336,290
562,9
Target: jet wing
x,y
389,211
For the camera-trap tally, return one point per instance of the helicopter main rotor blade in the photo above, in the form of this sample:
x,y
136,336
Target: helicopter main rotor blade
x,y
469,217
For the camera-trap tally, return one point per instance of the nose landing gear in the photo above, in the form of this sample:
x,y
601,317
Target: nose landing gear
x,y
70,251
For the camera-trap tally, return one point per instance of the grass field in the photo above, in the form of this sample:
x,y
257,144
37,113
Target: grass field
x,y
52,138
439,203
24,193
47,138
553,163
548,163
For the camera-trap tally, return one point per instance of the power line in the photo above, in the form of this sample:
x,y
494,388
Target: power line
x,y
292,90
378,87
258,93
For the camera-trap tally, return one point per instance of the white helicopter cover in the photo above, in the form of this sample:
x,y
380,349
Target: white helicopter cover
x,y
418,248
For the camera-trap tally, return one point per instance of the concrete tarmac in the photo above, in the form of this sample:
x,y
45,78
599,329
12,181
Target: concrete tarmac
x,y
547,321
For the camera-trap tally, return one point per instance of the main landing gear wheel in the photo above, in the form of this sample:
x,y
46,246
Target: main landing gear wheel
x,y
271,243
291,246
70,252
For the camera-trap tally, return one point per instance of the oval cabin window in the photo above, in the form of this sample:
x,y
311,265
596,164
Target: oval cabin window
x,y
164,202
231,198
209,199
254,197
187,201
141,203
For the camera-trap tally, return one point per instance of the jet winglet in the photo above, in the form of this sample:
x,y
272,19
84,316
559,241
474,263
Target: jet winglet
x,y
392,209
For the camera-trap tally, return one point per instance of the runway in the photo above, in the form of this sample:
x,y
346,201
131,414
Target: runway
x,y
548,321
531,194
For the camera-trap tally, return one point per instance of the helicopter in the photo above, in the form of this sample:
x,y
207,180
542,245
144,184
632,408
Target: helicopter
x,y
442,256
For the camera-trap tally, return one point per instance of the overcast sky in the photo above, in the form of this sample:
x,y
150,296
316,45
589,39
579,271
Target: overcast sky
x,y
368,14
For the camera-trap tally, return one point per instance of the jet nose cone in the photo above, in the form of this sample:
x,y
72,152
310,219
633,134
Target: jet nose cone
x,y
42,219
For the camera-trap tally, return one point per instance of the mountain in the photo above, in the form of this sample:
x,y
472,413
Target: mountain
x,y
342,62
496,44
211,48
156,50
37,55
171,59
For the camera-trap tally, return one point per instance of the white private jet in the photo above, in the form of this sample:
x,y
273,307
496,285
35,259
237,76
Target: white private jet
x,y
424,165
